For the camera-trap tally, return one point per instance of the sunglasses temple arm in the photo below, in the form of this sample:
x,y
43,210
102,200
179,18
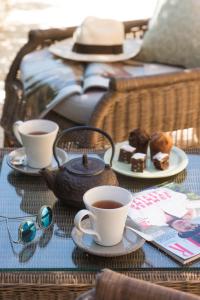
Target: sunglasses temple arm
x,y
10,239
10,236
18,218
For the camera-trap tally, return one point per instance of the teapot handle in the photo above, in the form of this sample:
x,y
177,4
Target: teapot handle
x,y
79,128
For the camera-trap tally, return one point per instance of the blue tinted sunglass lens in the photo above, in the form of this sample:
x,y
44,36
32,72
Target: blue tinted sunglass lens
x,y
27,231
45,217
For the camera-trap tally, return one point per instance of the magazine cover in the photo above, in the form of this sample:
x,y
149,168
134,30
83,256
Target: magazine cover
x,y
171,215
74,78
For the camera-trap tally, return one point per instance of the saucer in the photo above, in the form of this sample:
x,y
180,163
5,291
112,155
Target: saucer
x,y
130,242
25,169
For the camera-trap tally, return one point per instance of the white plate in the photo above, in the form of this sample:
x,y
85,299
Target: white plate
x,y
177,162
25,169
130,242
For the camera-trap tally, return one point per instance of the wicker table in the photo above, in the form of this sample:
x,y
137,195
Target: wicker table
x,y
53,267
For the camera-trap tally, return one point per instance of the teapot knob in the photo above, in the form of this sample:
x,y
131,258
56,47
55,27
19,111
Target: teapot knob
x,y
85,160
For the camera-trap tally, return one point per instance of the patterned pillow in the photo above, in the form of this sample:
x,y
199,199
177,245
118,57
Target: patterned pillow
x,y
174,34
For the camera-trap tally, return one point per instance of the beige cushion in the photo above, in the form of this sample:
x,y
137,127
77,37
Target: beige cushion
x,y
79,108
174,34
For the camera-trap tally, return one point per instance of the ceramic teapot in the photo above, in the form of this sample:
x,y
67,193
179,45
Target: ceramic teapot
x,y
79,174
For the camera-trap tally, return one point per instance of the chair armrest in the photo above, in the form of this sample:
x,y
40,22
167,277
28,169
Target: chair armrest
x,y
135,83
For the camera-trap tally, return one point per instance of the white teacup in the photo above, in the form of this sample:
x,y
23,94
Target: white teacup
x,y
37,138
107,224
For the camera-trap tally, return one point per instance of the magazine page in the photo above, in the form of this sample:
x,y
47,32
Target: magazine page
x,y
95,82
61,96
110,70
181,239
172,219
98,75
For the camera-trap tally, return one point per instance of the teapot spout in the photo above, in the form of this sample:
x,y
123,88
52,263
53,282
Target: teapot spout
x,y
49,177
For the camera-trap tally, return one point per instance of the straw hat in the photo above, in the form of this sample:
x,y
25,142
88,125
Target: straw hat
x,y
99,40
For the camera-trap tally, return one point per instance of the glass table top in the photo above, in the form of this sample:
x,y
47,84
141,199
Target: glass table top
x,y
22,195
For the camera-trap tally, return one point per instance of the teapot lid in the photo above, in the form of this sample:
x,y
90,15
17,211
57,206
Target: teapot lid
x,y
85,165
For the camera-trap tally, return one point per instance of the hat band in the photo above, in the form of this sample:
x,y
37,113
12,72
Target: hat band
x,y
97,49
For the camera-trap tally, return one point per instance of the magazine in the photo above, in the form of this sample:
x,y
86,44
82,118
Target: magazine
x,y
172,218
95,76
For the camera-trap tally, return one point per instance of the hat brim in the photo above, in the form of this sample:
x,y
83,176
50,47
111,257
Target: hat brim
x,y
63,49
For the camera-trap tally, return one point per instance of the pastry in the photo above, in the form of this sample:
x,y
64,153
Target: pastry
x,y
161,161
139,139
160,142
125,153
138,162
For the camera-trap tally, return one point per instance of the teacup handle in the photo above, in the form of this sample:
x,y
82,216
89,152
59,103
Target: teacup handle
x,y
16,130
77,221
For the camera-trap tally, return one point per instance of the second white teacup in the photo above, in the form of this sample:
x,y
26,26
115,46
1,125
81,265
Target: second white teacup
x,y
107,208
37,137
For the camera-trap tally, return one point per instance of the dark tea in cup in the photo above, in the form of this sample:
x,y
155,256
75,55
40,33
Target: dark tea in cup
x,y
107,204
37,132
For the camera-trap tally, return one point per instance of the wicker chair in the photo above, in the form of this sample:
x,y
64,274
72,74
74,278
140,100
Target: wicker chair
x,y
167,102
114,286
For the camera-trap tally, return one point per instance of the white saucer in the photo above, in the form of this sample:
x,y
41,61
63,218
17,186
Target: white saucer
x,y
25,169
130,242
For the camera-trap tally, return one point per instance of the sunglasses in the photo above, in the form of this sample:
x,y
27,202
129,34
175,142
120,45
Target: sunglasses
x,y
28,228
